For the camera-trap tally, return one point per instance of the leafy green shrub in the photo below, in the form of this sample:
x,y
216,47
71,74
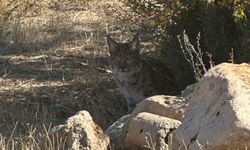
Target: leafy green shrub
x,y
223,24
156,14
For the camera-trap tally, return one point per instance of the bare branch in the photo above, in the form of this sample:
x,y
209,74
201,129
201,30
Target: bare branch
x,y
194,56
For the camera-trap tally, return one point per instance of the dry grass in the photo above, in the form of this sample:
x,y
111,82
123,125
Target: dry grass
x,y
54,62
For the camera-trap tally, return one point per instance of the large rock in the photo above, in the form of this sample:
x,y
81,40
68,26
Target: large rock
x,y
160,105
218,116
163,105
79,133
148,131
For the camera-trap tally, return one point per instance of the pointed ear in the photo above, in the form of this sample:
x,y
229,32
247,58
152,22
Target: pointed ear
x,y
111,44
135,44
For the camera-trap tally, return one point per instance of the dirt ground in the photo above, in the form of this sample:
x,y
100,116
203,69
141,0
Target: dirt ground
x,y
54,62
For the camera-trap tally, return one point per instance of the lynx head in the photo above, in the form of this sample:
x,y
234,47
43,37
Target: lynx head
x,y
124,57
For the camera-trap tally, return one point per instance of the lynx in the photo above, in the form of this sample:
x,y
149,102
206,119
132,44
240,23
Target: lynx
x,y
138,78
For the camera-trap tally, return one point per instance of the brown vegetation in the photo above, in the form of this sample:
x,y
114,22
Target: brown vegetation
x,y
54,62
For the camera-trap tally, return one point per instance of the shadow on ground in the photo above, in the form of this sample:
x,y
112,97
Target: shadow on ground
x,y
46,89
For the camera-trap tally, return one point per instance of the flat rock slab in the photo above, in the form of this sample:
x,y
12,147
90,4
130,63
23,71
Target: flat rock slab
x,y
163,105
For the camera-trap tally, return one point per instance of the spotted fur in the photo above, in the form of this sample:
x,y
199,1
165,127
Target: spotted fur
x,y
138,78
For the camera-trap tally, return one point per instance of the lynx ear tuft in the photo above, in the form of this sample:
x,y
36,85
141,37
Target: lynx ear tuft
x,y
135,43
111,44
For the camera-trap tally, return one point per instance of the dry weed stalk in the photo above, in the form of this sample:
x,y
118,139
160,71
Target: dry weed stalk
x,y
211,62
231,54
194,56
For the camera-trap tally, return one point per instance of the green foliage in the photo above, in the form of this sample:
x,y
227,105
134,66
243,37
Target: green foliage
x,y
238,7
156,13
224,25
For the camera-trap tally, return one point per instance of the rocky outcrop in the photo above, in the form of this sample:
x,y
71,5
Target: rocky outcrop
x,y
79,133
125,133
214,114
217,117
149,125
